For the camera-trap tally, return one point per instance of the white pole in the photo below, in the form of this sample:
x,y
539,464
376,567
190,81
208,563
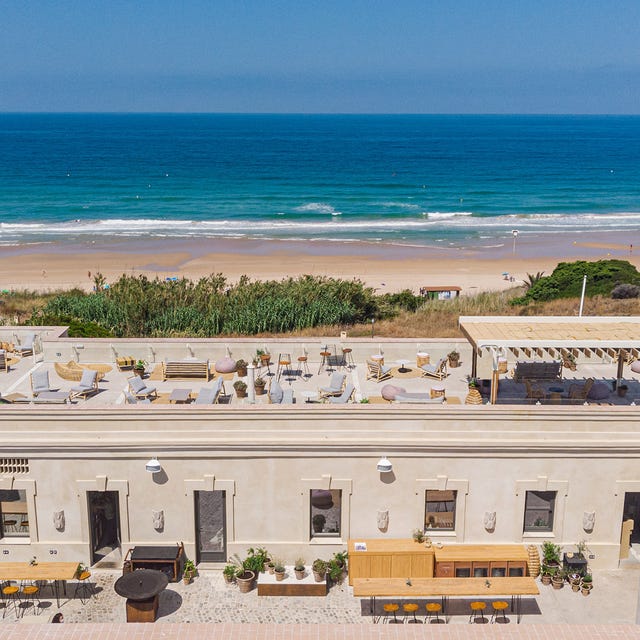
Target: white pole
x,y
251,370
584,286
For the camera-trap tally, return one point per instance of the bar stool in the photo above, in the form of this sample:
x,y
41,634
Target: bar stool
x,y
84,586
391,608
29,593
499,607
10,523
477,611
303,365
325,354
411,608
24,524
10,594
284,361
433,608
347,358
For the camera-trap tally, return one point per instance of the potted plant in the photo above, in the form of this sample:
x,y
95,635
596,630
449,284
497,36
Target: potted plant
x,y
550,556
229,573
241,388
587,584
279,570
318,521
189,571
299,568
259,384
418,535
256,560
574,580
545,575
139,367
335,571
569,361
454,359
241,368
271,565
265,357
340,559
319,568
244,579
557,579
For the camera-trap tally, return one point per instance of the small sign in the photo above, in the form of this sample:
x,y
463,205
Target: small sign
x,y
360,546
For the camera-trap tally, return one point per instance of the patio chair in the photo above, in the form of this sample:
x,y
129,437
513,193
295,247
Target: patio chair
x,y
88,384
437,371
581,391
336,385
131,399
139,389
377,371
533,392
345,397
40,381
4,365
211,395
277,395
25,348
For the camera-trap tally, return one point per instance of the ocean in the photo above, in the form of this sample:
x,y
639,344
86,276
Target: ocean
x,y
406,180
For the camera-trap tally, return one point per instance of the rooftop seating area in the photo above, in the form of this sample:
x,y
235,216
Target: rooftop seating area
x,y
318,380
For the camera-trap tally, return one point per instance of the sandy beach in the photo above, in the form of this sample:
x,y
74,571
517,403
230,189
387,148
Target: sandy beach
x,y
385,267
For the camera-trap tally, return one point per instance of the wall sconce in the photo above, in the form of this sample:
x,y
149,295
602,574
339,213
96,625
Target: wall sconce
x,y
384,465
153,466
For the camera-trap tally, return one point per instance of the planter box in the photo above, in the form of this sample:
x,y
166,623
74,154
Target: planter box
x,y
268,586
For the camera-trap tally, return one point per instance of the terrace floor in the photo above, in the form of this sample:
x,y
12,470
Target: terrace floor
x,y
15,384
209,599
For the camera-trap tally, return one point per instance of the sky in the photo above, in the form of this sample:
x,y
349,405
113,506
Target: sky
x,y
307,56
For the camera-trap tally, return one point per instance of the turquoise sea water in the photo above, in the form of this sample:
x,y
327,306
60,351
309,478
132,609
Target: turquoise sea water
x,y
416,180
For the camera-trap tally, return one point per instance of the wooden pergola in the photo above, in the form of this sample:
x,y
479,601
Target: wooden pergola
x,y
553,337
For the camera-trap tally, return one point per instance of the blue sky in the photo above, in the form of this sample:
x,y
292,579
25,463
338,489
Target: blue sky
x,y
462,56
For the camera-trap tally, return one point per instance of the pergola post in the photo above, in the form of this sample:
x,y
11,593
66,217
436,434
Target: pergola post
x,y
622,356
474,362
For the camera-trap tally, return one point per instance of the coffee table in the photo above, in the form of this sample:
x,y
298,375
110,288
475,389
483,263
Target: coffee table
x,y
180,395
309,395
403,366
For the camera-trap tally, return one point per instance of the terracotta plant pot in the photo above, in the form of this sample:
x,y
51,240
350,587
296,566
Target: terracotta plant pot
x,y
240,393
280,576
319,577
299,573
260,391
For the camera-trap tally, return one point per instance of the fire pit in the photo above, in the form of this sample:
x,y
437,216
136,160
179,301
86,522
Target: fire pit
x,y
141,589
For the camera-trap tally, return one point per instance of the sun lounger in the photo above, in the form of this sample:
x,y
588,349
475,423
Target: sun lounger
x,y
88,384
131,399
51,397
336,386
377,371
40,381
437,371
345,397
25,348
139,389
210,395
417,398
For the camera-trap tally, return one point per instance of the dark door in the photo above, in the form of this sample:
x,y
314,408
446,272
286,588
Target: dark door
x,y
631,511
211,530
104,523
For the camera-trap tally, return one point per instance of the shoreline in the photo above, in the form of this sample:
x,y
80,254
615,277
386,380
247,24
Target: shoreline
x,y
385,267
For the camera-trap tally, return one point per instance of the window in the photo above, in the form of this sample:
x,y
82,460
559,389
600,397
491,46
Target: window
x,y
14,520
539,507
326,513
440,510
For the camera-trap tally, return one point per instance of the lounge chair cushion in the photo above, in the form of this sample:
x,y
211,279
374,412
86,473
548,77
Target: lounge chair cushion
x,y
599,391
276,393
207,395
389,391
418,398
139,387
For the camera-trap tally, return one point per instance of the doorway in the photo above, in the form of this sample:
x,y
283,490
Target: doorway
x,y
211,530
631,511
104,523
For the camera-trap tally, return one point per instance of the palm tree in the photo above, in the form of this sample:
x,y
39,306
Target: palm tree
x,y
531,279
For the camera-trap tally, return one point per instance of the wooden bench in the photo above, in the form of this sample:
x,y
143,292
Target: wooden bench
x,y
185,369
537,371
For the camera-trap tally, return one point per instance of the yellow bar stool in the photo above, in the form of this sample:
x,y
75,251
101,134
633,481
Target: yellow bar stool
x,y
303,365
433,609
347,358
410,608
29,593
10,595
284,362
10,523
499,608
390,609
477,612
84,586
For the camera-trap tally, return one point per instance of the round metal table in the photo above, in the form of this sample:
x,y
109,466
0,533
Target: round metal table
x,y
141,589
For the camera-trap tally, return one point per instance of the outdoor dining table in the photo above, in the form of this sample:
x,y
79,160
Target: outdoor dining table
x,y
54,572
141,589
445,588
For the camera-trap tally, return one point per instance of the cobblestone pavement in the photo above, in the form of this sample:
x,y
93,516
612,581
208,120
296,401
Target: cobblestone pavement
x,y
209,599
